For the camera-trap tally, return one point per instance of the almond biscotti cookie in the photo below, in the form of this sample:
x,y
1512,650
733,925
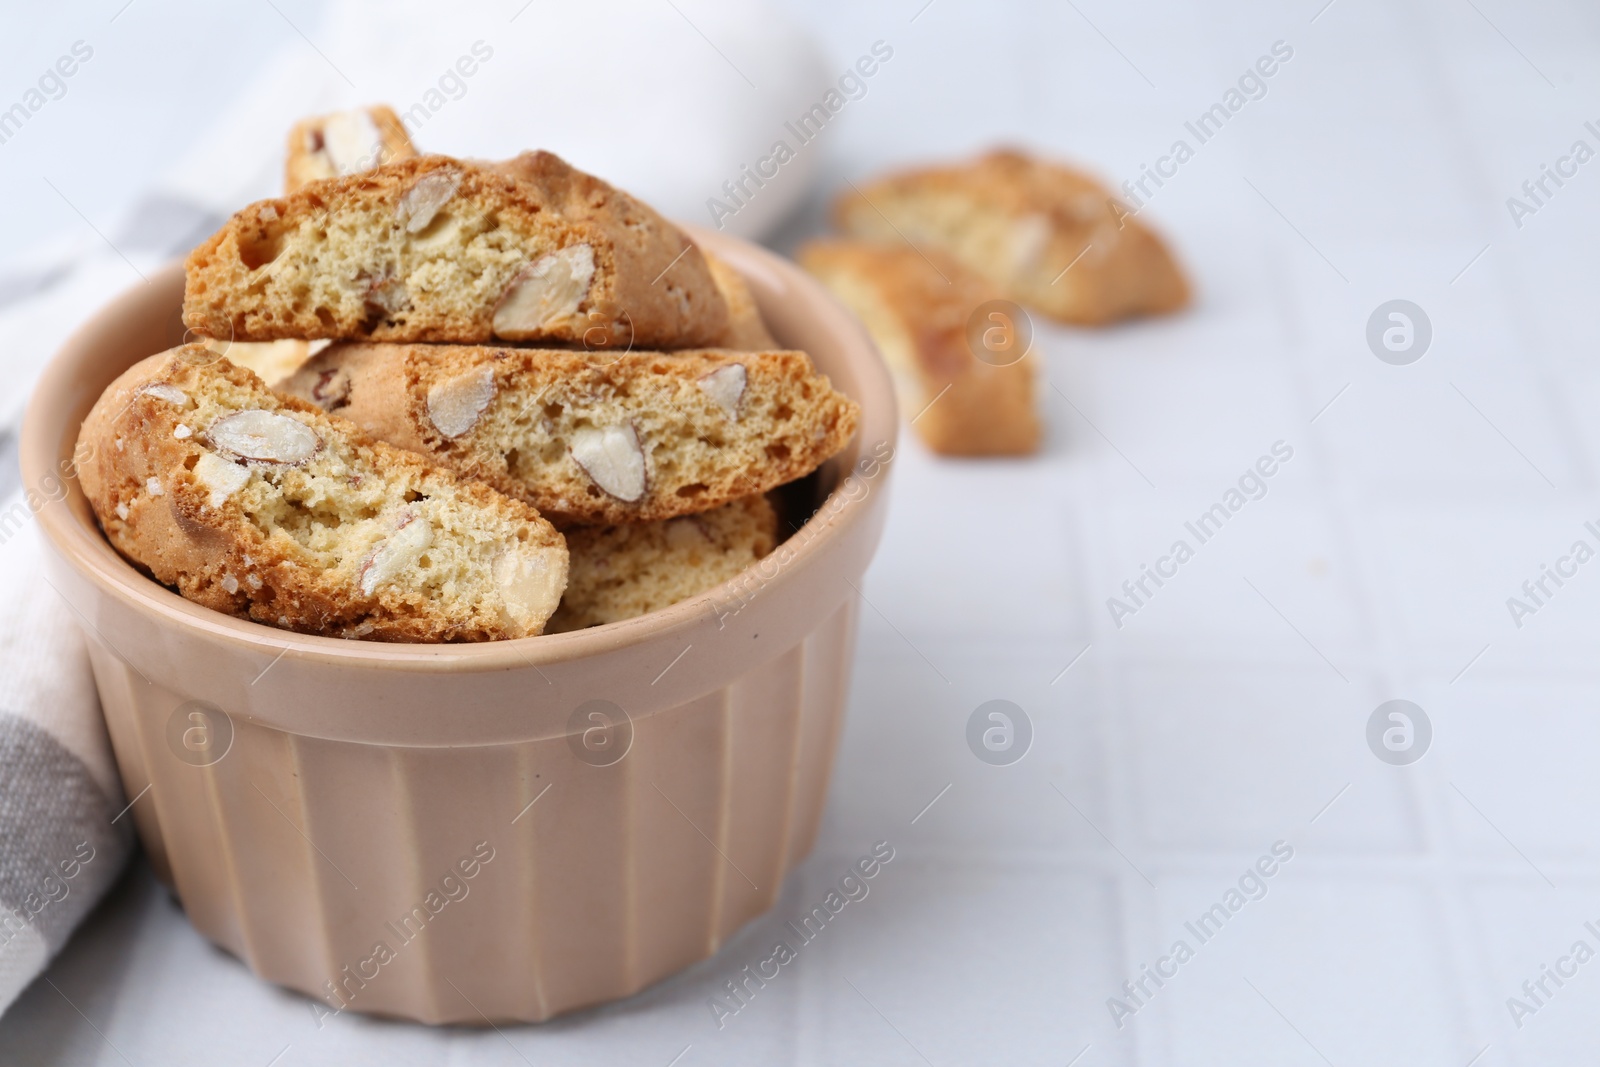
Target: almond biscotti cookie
x,y
620,572
438,249
1045,235
919,313
592,437
266,508
345,142
672,277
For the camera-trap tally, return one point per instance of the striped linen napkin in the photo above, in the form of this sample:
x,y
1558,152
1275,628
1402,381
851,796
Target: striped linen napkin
x,y
64,833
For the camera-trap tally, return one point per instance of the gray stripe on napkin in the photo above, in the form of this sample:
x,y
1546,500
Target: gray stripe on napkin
x,y
59,849
10,463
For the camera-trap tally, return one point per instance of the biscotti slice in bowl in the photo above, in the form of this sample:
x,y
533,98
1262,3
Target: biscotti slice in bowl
x,y
1045,235
344,142
920,309
592,438
671,276
747,330
621,572
442,250
266,508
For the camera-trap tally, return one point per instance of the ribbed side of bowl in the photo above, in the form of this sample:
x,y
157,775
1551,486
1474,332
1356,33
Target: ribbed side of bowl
x,y
341,869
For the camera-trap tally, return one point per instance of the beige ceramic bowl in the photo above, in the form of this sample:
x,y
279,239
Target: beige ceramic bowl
x,y
365,835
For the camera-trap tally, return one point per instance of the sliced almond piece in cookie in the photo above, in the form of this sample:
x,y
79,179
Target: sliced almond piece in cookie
x,y
919,309
266,508
344,142
437,249
593,438
620,572
1045,235
670,279
271,361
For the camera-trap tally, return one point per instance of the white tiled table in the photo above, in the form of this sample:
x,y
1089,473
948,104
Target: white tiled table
x,y
1229,713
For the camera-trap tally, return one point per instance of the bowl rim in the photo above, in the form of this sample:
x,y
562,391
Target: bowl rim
x,y
85,550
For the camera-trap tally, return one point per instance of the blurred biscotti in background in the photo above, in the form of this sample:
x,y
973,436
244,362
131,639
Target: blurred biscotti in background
x,y
935,258
919,309
1045,235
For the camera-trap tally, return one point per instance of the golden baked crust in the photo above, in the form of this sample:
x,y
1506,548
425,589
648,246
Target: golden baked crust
x,y
266,508
918,312
344,142
668,279
1022,222
438,249
747,331
619,572
592,437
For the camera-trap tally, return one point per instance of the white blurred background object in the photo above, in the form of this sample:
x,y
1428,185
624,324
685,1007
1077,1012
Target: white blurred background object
x,y
633,90
197,99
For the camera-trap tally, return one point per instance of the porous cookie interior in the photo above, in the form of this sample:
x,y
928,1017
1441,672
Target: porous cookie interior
x,y
361,265
696,451
413,538
620,572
